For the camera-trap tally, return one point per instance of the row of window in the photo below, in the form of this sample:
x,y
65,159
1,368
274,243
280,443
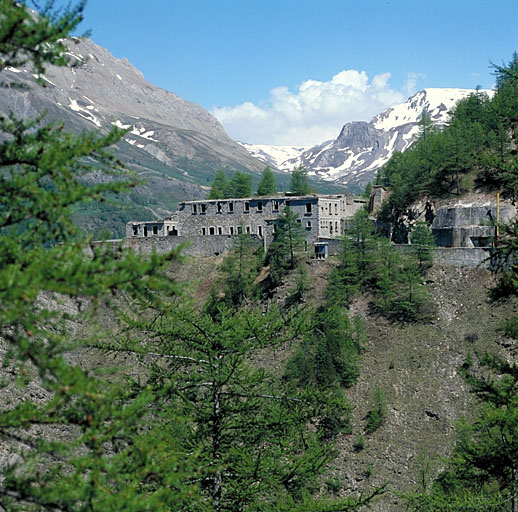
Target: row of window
x,y
259,205
146,230
329,206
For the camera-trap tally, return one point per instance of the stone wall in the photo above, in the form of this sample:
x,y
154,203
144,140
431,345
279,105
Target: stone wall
x,y
193,246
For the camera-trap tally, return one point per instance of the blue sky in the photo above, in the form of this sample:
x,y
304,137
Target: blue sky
x,y
265,68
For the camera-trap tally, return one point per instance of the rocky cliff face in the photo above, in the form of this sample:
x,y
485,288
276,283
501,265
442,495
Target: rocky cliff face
x,y
172,143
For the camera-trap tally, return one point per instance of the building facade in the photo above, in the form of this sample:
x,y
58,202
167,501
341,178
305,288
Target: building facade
x,y
321,217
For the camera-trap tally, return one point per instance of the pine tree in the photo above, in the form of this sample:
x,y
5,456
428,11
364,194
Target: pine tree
x,y
219,185
299,181
288,241
267,185
76,441
240,185
256,443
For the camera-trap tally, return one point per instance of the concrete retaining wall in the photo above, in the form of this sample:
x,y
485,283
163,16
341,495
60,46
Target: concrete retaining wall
x,y
458,256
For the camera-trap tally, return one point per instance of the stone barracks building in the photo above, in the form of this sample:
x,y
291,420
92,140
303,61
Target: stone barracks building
x,y
323,218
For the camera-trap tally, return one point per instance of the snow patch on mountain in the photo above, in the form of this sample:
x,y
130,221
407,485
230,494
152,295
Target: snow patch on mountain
x,y
362,148
274,155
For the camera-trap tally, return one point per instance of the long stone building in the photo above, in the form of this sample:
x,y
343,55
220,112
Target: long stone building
x,y
323,218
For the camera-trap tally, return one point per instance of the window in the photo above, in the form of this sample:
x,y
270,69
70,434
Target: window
x,y
276,206
274,228
240,229
211,231
173,231
248,229
220,208
135,230
299,221
155,230
336,227
194,209
145,230
231,230
247,207
203,231
308,207
260,231
308,224
230,207
259,206
288,203
203,208
336,208
220,230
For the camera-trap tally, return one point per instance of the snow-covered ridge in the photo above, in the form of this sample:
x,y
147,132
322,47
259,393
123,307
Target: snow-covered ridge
x,y
361,148
274,155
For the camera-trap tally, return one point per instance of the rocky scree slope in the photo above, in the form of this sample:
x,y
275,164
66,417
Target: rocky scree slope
x,y
362,148
173,144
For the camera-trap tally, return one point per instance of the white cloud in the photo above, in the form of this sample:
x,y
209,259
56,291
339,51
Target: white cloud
x,y
315,112
409,87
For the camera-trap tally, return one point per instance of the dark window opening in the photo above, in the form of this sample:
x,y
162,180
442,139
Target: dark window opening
x,y
203,208
211,231
230,207
248,229
308,207
135,230
260,231
220,207
276,206
260,206
239,229
145,230
247,206
231,230
194,209
155,230
173,231
220,231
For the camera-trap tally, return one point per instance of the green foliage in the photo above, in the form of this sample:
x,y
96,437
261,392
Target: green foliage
x,y
219,186
240,185
267,185
370,263
288,242
256,442
81,441
299,181
238,271
423,243
378,414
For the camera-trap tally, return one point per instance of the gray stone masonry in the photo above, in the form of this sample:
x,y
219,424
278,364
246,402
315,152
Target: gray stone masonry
x,y
320,216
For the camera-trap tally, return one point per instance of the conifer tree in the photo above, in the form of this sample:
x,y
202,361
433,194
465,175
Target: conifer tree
x,y
288,241
267,185
74,441
219,185
299,181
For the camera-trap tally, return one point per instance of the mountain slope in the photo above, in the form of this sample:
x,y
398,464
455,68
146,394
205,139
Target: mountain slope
x,y
362,148
174,144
